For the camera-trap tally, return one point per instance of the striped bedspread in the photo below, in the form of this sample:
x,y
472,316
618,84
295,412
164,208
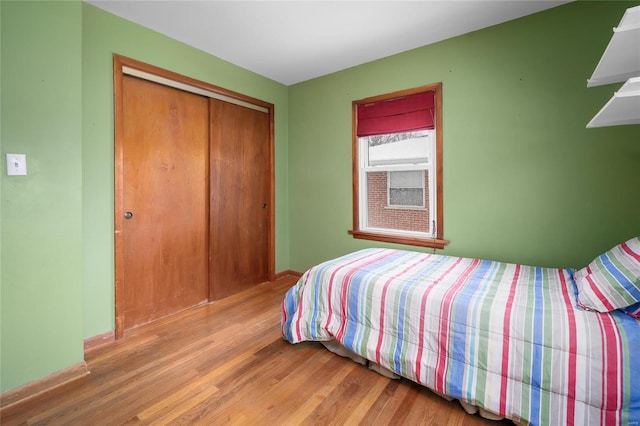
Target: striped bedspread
x,y
508,338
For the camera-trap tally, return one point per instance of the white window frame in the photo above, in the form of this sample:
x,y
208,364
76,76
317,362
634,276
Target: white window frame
x,y
364,168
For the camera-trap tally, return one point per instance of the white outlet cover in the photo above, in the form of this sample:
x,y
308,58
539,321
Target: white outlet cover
x,y
16,164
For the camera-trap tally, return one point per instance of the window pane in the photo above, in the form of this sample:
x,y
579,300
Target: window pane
x,y
379,213
399,148
406,197
410,179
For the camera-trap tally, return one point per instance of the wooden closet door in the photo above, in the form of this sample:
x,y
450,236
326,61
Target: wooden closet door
x,y
240,196
165,188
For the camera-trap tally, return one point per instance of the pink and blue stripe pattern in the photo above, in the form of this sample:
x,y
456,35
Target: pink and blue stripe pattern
x,y
508,338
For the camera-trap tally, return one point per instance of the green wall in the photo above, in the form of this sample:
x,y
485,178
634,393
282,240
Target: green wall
x,y
104,34
42,294
57,222
524,180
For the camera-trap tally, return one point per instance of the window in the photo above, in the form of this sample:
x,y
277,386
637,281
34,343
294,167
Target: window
x,y
397,167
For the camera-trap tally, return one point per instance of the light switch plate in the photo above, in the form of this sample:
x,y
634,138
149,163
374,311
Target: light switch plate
x,y
16,164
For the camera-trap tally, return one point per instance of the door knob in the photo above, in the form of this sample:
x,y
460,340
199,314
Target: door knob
x,y
128,215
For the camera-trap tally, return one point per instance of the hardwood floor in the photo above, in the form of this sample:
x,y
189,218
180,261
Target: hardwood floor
x,y
226,363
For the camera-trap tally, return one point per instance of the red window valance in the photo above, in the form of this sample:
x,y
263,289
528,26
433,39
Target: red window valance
x,y
413,112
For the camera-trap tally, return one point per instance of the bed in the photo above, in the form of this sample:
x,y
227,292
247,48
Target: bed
x,y
535,345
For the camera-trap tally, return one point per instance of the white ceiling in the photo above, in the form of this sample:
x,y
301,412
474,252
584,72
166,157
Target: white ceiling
x,y
294,41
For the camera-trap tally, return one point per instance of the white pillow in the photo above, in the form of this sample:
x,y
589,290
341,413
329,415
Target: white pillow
x,y
612,280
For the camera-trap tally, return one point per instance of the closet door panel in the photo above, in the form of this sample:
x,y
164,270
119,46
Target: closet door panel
x,y
165,200
239,198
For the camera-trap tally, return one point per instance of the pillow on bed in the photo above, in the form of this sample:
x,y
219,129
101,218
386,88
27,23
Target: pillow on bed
x,y
633,310
612,280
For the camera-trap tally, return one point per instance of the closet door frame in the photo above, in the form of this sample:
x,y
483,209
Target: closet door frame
x,y
127,66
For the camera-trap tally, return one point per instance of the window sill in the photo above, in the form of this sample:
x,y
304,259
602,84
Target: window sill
x,y
398,239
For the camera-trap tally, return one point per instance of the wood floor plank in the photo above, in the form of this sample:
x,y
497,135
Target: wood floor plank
x,y
169,409
226,363
335,406
322,373
363,406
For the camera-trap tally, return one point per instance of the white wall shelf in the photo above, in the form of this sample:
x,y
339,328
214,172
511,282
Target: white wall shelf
x,y
620,62
621,58
622,108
